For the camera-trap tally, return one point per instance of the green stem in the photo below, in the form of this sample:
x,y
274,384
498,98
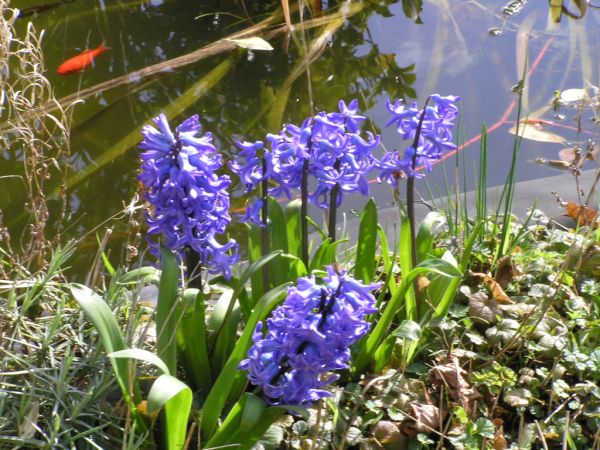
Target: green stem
x,y
264,244
304,212
410,203
333,205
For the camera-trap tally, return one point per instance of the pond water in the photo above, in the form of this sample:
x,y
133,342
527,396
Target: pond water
x,y
366,50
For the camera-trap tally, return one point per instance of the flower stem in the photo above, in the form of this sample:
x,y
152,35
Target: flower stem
x,y
333,205
410,201
193,262
304,212
264,242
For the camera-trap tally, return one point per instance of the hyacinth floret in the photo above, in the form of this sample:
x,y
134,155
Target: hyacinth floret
x,y
190,202
248,165
434,141
309,336
289,150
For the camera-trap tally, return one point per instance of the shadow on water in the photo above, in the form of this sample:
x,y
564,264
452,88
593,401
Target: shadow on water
x,y
170,56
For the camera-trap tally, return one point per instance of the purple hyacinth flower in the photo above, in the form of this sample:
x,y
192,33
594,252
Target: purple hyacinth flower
x,y
434,141
332,145
252,213
309,336
247,165
190,202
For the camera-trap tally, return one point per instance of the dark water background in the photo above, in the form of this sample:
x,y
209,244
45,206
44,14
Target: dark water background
x,y
376,54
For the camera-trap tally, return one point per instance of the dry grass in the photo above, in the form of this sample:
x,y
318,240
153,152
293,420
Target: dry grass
x,y
40,139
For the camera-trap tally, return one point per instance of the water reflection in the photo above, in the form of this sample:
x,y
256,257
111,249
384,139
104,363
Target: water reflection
x,y
366,50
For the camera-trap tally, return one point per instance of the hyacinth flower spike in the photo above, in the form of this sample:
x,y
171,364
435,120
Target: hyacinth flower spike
x,y
308,337
430,130
189,201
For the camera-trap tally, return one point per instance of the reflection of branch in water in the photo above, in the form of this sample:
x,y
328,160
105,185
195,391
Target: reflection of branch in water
x,y
215,48
316,49
34,10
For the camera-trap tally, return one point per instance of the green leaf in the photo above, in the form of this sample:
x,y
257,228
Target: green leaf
x,y
254,254
142,275
278,273
109,268
252,43
296,267
176,397
318,256
484,428
329,257
409,330
293,223
441,267
250,272
166,307
222,326
426,234
439,285
325,254
223,384
387,260
277,230
445,302
141,355
110,335
406,266
317,228
252,411
192,345
364,268
248,421
378,333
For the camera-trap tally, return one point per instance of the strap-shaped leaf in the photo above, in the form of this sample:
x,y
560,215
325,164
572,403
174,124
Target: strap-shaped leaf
x,y
176,397
364,268
141,355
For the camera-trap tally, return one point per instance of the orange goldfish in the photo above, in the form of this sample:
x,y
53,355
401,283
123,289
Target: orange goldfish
x,y
81,61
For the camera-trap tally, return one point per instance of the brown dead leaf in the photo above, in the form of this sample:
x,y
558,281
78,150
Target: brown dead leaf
x,y
388,434
499,441
505,272
494,287
427,417
583,215
535,132
452,376
142,408
422,284
555,163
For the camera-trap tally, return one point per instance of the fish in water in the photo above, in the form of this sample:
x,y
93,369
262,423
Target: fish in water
x,y
81,61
